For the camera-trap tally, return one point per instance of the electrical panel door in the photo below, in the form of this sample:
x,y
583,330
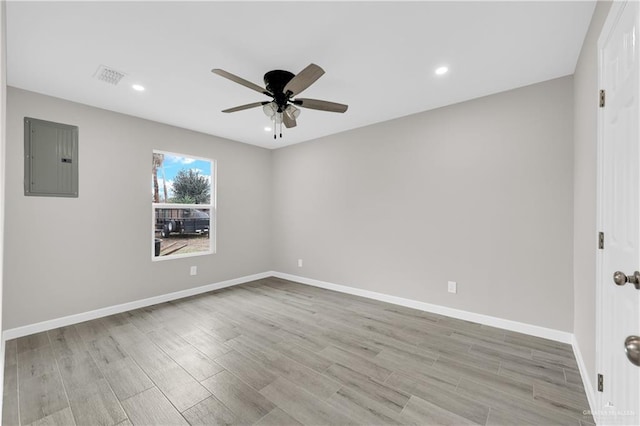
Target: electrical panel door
x,y
51,159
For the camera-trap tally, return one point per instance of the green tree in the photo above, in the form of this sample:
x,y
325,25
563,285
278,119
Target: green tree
x,y
157,162
189,187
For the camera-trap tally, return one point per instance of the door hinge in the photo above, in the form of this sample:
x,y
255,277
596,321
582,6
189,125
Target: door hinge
x,y
600,383
601,240
602,98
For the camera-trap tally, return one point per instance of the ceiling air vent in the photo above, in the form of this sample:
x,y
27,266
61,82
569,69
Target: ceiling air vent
x,y
108,75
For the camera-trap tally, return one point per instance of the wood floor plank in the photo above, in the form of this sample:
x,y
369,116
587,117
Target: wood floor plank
x,y
78,370
151,407
363,410
301,405
446,399
114,320
59,418
179,387
443,378
311,342
211,412
33,341
313,382
127,335
479,329
95,404
36,362
356,362
561,361
143,320
66,342
196,363
127,380
420,412
41,396
496,354
149,357
521,410
92,330
438,342
538,343
304,356
277,417
11,352
531,373
493,380
403,361
10,393
246,403
385,395
246,369
462,360
206,343
574,380
106,352
279,365
356,342
560,398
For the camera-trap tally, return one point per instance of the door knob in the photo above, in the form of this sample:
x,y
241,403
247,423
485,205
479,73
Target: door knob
x,y
632,349
620,278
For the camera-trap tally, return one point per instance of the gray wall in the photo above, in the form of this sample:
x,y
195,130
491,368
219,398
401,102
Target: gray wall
x,y
584,207
3,109
67,256
479,193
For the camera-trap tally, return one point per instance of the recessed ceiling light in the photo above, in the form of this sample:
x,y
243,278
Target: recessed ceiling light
x,y
138,87
442,70
267,129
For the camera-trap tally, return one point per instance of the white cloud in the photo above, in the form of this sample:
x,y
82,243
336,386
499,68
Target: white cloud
x,y
181,160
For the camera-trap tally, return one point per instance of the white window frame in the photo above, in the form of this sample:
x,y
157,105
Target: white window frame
x,y
213,216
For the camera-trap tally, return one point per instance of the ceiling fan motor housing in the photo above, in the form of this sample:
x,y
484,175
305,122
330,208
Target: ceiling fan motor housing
x,y
275,81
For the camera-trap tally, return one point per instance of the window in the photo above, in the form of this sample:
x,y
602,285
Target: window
x,y
183,194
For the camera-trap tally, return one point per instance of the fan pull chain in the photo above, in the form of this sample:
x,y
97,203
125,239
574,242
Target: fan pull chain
x,y
274,127
281,130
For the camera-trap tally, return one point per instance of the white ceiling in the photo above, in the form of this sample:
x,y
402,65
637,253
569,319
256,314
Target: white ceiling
x,y
379,57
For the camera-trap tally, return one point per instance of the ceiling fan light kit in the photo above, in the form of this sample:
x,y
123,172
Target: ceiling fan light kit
x,y
282,87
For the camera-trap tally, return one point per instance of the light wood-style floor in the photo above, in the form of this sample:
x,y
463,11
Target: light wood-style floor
x,y
273,352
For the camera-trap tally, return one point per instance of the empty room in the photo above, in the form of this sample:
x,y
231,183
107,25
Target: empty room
x,y
320,213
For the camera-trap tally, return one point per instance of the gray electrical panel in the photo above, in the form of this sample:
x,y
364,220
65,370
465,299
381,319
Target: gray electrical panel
x,y
50,159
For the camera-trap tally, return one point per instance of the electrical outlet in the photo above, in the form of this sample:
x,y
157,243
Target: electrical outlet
x,y
299,263
452,286
194,270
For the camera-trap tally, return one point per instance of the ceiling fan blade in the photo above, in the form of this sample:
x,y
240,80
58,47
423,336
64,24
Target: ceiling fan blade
x,y
242,81
288,121
247,106
303,79
321,105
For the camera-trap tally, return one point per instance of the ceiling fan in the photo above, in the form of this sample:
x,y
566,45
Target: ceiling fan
x,y
282,87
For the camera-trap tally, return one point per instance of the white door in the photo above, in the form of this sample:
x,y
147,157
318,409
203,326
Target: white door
x,y
619,213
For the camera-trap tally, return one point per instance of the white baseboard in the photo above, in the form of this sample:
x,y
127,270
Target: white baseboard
x,y
534,330
520,327
586,379
26,330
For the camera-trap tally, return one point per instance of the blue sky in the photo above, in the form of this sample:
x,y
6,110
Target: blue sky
x,y
173,164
